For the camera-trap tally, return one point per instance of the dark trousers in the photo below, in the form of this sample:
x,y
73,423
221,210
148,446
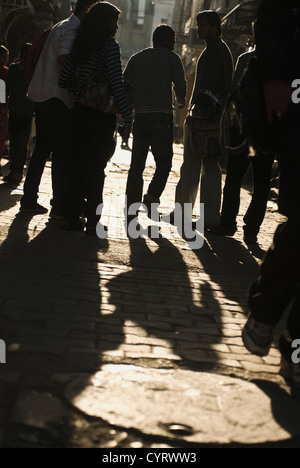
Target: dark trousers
x,y
153,130
92,147
237,166
53,126
19,129
278,284
279,281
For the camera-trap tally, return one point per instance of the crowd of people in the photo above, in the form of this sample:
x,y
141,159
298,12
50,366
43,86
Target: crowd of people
x,y
69,126
77,91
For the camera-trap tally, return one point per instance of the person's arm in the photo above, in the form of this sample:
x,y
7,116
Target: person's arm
x,y
274,37
65,44
128,72
67,78
114,71
179,81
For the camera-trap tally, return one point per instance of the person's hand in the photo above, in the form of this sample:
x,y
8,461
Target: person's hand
x,y
277,98
126,133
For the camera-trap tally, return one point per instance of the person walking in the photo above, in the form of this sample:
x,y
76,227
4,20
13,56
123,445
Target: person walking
x,y
237,165
95,51
152,74
20,117
52,106
278,286
202,149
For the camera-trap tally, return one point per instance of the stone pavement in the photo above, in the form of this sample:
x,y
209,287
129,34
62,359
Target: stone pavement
x,y
131,343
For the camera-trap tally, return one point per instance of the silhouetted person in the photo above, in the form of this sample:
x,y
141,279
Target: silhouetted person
x,y
202,149
152,73
95,49
237,166
52,106
20,118
278,51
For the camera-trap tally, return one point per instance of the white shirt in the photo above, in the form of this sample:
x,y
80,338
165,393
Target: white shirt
x,y
44,83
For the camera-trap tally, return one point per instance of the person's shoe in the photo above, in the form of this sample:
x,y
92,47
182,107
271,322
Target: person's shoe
x,y
151,203
257,337
34,209
56,215
13,178
72,225
221,230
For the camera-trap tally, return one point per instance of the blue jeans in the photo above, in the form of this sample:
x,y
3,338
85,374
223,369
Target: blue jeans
x,y
153,130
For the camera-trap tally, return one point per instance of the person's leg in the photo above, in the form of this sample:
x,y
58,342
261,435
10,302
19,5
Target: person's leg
x,y
41,152
162,150
60,127
187,187
236,168
274,290
279,277
262,167
211,190
140,148
100,147
80,144
19,134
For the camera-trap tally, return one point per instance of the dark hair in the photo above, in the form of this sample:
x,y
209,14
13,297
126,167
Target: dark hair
x,y
213,18
94,29
82,4
161,33
24,48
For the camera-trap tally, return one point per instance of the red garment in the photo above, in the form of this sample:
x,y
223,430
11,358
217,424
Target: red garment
x,y
3,114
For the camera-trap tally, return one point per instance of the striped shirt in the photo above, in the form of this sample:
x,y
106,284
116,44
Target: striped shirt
x,y
74,75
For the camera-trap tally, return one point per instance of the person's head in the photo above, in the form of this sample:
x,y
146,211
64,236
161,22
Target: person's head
x,y
100,23
82,7
209,24
102,19
4,55
164,36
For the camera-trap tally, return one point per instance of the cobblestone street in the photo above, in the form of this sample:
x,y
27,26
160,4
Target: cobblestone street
x,y
74,307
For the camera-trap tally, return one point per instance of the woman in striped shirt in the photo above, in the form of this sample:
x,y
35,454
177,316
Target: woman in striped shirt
x,y
92,138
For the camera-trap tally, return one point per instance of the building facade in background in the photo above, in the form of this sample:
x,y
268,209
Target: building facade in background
x,y
22,20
